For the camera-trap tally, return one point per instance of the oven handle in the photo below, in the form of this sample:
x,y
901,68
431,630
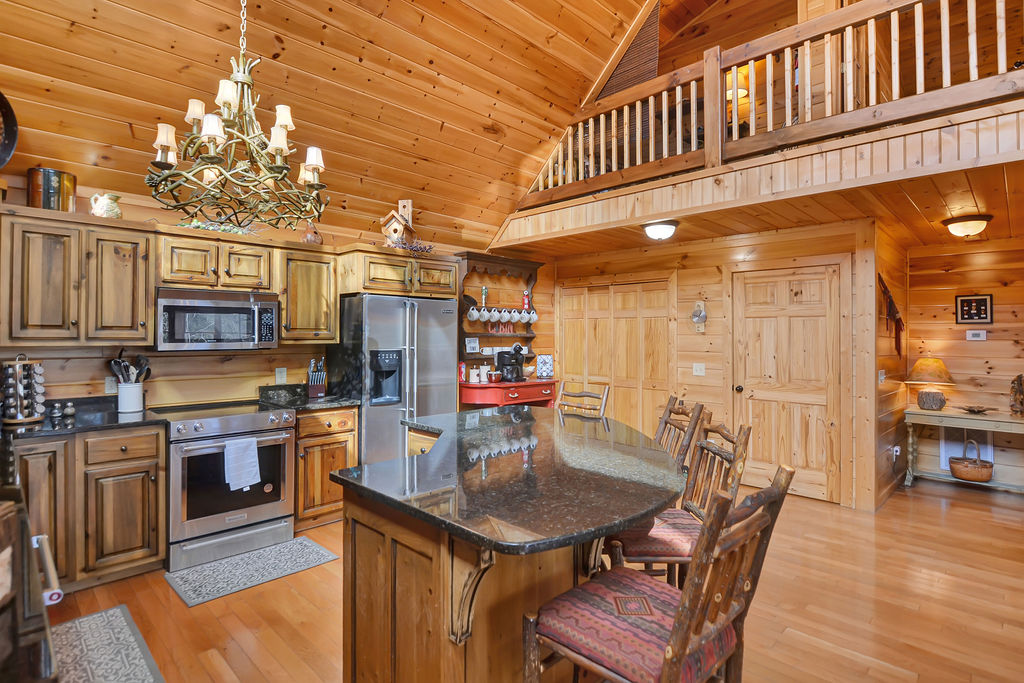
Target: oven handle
x,y
192,545
52,594
282,437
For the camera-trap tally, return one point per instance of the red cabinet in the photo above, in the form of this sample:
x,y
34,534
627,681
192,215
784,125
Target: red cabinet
x,y
534,392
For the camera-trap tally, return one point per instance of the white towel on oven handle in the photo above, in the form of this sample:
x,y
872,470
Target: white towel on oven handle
x,y
241,463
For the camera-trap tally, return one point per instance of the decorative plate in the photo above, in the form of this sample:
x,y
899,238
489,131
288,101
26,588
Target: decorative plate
x,y
545,366
975,410
8,131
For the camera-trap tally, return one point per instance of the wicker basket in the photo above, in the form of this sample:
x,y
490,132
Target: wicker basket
x,y
971,469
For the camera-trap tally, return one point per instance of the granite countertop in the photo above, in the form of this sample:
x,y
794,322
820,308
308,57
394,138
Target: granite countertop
x,y
523,479
296,397
92,413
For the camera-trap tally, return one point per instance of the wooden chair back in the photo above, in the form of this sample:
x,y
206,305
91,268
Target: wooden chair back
x,y
715,467
680,428
584,401
725,570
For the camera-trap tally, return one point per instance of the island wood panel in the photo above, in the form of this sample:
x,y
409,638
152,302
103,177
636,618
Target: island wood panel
x,y
376,85
985,136
982,370
891,395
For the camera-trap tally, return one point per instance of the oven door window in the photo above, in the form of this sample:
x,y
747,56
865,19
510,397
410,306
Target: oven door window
x,y
191,324
206,491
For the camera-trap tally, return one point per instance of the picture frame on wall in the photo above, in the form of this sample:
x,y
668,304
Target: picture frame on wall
x,y
973,309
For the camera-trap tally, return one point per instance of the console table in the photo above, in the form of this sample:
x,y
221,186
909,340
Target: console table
x,y
949,417
538,392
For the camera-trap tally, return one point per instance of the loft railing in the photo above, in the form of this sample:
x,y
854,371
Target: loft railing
x,y
867,65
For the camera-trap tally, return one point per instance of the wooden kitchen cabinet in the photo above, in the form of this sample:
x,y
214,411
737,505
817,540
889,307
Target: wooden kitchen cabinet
x,y
420,442
118,297
436,277
384,271
386,274
309,297
42,468
327,442
39,286
187,262
244,266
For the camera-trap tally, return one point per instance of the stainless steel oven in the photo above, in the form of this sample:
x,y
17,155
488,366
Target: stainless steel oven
x,y
215,320
210,518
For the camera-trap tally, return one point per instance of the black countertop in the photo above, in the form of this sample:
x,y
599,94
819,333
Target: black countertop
x,y
91,414
521,480
296,397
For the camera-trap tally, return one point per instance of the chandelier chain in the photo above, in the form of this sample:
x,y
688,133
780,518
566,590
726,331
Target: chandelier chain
x,y
241,36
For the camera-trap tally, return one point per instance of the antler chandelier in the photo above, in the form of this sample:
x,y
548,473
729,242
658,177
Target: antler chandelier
x,y
234,174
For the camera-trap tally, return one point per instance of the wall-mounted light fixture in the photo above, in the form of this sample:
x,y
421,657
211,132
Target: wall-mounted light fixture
x,y
967,226
699,317
661,230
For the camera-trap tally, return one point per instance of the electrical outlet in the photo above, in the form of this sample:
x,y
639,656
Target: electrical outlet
x,y
977,335
280,375
699,369
109,385
881,376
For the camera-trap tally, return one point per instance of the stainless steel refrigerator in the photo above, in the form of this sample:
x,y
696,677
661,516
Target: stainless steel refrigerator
x,y
399,356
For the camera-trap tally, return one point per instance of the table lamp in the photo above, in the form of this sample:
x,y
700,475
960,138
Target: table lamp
x,y
930,372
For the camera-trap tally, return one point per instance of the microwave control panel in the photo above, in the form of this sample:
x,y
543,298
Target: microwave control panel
x,y
268,325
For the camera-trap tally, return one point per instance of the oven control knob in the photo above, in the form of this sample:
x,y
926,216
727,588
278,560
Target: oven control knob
x,y
198,426
274,419
287,417
181,429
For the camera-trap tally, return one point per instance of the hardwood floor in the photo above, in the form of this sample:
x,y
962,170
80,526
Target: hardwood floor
x,y
931,588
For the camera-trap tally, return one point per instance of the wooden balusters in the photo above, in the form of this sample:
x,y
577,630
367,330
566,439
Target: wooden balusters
x,y
805,70
919,45
693,115
664,124
752,96
679,119
615,140
650,128
590,156
769,84
944,39
829,76
570,170
581,171
561,161
789,85
1001,36
848,103
734,95
872,65
625,136
894,52
972,39
604,144
639,140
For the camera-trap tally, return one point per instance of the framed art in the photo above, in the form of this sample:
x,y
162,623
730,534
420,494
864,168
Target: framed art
x,y
972,309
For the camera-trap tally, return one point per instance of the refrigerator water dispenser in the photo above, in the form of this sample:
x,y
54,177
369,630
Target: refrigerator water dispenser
x,y
385,377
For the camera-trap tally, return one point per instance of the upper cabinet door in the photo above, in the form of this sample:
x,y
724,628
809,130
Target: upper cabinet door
x,y
243,266
387,274
436,277
309,300
119,295
43,281
188,262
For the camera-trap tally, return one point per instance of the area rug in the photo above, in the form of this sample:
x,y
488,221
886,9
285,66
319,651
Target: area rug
x,y
212,580
105,647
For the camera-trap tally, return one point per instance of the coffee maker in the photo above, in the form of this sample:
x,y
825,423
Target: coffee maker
x,y
510,364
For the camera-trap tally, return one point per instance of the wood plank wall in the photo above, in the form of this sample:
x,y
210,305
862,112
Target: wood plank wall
x,y
891,395
982,369
698,268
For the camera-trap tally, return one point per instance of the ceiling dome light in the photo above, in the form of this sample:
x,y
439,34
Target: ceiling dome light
x,y
967,226
661,230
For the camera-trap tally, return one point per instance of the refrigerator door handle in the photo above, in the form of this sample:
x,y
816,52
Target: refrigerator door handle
x,y
405,377
415,360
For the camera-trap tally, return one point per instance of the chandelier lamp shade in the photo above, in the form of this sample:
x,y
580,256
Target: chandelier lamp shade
x,y
226,170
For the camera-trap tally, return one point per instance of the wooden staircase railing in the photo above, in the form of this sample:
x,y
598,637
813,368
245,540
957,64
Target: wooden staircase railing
x,y
867,65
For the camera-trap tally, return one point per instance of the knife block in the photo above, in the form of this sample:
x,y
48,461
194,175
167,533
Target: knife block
x,y
317,390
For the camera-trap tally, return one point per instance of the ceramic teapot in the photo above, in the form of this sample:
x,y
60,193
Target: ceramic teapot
x,y
105,205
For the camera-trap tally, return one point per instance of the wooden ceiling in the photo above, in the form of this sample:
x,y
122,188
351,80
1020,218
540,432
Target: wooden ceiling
x,y
916,208
450,103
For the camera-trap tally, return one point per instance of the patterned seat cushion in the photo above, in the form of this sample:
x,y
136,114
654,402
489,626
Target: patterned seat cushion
x,y
622,620
672,538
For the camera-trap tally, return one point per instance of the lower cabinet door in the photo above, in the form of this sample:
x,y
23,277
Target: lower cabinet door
x,y
42,468
316,493
121,514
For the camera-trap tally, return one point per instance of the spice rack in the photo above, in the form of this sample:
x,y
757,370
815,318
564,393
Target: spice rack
x,y
23,391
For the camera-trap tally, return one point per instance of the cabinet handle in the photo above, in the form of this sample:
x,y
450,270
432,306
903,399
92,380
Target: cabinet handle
x,y
213,270
287,326
514,395
74,322
329,425
142,323
423,451
316,334
302,454
227,272
152,477
545,391
124,449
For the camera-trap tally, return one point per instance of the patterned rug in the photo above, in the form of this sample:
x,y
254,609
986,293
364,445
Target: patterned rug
x,y
212,580
105,647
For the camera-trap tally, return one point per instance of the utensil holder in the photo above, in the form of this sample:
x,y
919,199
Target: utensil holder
x,y
129,397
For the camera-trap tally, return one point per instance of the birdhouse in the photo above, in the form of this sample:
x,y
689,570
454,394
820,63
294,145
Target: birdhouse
x,y
397,225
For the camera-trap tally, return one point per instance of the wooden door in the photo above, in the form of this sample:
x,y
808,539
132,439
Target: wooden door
x,y
316,494
242,266
310,297
187,261
120,505
786,379
387,274
621,335
436,277
119,292
42,468
45,271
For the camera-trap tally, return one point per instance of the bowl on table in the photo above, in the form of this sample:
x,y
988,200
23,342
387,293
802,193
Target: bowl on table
x,y
494,376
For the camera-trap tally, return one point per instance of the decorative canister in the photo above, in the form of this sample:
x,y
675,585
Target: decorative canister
x,y
49,188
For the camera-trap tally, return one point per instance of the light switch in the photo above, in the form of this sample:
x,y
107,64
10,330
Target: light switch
x,y
280,375
881,376
977,335
698,369
110,385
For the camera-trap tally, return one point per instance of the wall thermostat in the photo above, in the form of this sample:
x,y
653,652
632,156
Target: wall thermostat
x,y
976,335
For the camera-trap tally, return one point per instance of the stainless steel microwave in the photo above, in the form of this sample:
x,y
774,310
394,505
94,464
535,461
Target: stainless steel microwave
x,y
215,320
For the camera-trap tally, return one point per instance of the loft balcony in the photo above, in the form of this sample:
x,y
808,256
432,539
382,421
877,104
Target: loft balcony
x,y
877,92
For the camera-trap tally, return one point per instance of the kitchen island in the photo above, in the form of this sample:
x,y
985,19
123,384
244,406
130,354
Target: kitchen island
x,y
446,550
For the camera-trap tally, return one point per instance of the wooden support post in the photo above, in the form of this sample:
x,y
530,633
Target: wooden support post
x,y
894,52
713,106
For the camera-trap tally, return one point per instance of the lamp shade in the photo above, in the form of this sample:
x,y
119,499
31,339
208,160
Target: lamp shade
x,y
213,129
227,94
278,141
967,226
661,230
284,117
742,84
196,110
929,371
314,159
164,136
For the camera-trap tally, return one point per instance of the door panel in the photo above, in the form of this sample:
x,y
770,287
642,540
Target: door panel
x,y
436,277
43,473
317,494
384,327
121,514
247,267
119,298
786,352
44,280
435,357
387,274
310,298
188,262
